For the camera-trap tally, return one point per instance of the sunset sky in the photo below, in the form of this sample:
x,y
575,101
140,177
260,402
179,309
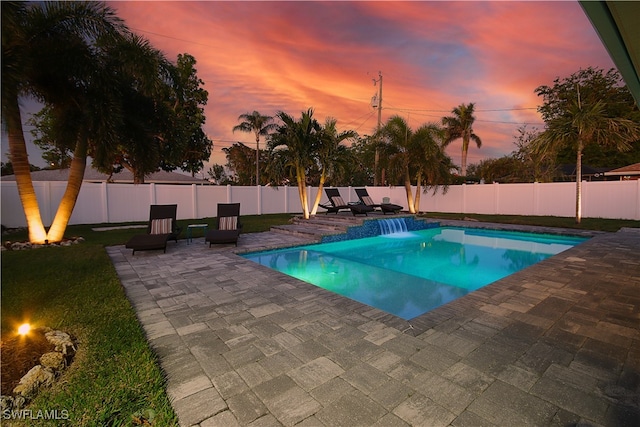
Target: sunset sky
x,y
433,56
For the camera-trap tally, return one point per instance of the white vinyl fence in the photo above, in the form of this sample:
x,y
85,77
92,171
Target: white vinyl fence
x,y
113,203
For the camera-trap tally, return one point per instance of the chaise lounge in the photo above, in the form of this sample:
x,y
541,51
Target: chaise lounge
x,y
228,225
337,204
162,227
364,197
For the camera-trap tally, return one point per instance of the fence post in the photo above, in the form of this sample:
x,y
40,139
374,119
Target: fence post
x,y
637,199
464,198
229,193
152,193
105,202
496,198
259,188
194,201
584,199
536,198
286,199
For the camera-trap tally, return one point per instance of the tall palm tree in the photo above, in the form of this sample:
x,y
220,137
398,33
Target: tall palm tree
x,y
584,123
261,126
432,164
460,125
415,157
296,142
396,147
330,154
47,53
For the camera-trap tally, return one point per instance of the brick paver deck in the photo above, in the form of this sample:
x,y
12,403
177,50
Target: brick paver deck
x,y
241,345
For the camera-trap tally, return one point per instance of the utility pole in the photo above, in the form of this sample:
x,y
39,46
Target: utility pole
x,y
377,155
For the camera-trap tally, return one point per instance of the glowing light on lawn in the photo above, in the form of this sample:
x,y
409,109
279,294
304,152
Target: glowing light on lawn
x,y
24,329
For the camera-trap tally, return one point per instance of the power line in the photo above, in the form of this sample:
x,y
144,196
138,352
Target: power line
x,y
449,111
477,120
173,38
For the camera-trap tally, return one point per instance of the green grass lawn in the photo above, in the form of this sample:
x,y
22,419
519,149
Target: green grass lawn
x,y
599,224
115,374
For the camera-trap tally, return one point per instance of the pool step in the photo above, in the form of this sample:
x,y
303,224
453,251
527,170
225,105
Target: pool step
x,y
318,226
329,222
305,231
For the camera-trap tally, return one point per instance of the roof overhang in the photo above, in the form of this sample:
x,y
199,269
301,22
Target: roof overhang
x,y
618,25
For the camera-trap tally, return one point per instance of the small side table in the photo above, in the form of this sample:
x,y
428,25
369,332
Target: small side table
x,y
190,228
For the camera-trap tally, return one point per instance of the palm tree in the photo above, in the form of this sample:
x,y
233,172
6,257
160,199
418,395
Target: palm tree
x,y
47,53
432,164
295,144
259,125
582,124
415,157
331,154
460,125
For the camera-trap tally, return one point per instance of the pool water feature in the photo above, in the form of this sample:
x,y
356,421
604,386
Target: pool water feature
x,y
409,273
392,225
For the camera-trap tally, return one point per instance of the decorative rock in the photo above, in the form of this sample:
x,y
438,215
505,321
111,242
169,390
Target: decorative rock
x,y
62,341
6,403
54,360
37,377
19,401
19,246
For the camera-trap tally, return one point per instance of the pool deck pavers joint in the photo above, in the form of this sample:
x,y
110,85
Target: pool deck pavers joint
x,y
555,344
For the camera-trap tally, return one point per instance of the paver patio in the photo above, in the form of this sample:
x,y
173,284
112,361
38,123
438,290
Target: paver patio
x,y
555,344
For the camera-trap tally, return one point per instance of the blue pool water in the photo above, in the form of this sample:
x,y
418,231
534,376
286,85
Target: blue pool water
x,y
410,273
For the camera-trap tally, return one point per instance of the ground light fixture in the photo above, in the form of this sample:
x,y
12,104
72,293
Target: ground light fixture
x,y
24,329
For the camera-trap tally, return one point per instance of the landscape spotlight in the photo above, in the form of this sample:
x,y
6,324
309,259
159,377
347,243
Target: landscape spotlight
x,y
24,329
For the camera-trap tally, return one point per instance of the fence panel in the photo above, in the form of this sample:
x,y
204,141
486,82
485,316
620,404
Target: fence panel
x,y
605,201
452,201
515,199
207,199
557,199
482,199
274,200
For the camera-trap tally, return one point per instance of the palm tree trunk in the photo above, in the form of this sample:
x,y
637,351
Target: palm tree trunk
x,y
418,192
407,188
302,192
323,177
579,182
22,171
70,196
465,151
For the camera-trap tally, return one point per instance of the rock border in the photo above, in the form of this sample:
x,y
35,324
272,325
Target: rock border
x,y
51,367
20,246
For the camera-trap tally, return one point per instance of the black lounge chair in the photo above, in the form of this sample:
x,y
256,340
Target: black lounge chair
x,y
162,227
364,197
337,204
228,225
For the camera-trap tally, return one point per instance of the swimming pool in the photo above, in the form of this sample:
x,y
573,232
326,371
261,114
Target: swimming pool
x,y
410,273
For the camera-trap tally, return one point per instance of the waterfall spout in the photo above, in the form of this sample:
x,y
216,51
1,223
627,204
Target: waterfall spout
x,y
392,225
